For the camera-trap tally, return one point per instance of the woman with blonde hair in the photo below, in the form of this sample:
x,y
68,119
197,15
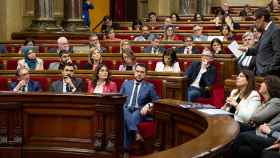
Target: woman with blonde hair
x,y
94,59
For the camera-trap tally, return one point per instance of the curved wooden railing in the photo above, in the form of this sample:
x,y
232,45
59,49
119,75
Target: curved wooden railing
x,y
186,133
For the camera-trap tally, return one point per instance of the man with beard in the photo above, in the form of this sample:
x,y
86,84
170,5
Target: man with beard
x,y
95,43
146,35
64,59
68,83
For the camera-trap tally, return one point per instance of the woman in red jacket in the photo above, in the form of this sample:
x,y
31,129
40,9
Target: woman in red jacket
x,y
102,81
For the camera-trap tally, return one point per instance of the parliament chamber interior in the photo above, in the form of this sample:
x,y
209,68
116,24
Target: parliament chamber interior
x,y
139,79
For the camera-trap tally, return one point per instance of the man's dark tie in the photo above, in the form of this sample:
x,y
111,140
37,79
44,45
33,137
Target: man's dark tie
x,y
156,50
68,88
134,98
23,88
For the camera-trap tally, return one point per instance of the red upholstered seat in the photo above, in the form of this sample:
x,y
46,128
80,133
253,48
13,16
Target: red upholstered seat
x,y
4,84
147,129
43,82
125,36
136,49
158,85
151,64
115,49
12,48
118,63
11,64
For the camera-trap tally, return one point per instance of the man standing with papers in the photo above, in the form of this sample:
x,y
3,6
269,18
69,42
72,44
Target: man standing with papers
x,y
244,62
267,50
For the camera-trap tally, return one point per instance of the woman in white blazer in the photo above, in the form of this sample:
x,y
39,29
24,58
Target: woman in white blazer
x,y
169,62
244,100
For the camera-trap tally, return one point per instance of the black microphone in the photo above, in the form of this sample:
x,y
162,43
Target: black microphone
x,y
23,88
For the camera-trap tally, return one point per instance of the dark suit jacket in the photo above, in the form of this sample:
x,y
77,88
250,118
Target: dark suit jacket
x,y
181,50
33,86
207,79
149,49
267,52
147,92
57,86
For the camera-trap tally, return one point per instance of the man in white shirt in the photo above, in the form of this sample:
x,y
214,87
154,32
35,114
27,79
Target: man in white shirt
x,y
201,75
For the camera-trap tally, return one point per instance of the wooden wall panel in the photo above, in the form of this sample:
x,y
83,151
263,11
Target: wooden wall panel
x,y
28,8
58,8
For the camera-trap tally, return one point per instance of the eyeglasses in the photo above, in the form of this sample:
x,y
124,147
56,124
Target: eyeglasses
x,y
197,29
215,45
247,39
24,74
69,70
65,56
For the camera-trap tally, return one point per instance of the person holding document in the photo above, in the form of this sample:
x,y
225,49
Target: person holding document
x,y
267,50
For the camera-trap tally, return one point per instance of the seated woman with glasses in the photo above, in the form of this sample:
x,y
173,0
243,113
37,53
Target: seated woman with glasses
x,y
129,60
30,61
94,59
102,81
169,62
216,46
244,100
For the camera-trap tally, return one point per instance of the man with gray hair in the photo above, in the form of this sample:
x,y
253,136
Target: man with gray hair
x,y
201,75
62,45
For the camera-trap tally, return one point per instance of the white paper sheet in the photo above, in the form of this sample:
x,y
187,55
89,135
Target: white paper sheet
x,y
234,48
215,112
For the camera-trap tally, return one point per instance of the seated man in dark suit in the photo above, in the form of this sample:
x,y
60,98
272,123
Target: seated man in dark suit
x,y
140,95
188,47
68,83
23,83
201,75
155,48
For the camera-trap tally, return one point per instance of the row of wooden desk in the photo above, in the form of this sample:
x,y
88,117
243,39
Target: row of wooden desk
x,y
90,126
227,62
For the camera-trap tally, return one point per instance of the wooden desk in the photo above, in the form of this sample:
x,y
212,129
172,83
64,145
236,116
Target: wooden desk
x,y
47,125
